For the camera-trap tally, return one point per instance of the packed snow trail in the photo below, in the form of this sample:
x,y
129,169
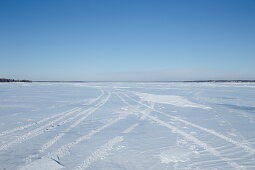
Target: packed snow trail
x,y
103,150
121,125
99,153
86,113
49,126
64,149
9,131
35,123
193,139
39,130
249,151
244,146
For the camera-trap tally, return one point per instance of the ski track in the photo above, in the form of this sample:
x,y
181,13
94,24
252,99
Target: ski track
x,y
191,138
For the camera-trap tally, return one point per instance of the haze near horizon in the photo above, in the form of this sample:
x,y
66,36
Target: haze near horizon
x,y
127,40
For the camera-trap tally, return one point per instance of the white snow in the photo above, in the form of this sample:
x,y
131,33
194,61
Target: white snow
x,y
45,164
100,153
178,101
130,129
127,126
175,154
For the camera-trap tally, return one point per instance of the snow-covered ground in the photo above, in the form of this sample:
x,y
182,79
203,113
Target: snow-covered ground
x,y
127,126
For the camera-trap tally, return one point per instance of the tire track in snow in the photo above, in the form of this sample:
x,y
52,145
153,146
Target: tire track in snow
x,y
94,100
245,147
131,128
64,149
90,100
241,145
35,123
38,131
45,119
191,138
87,113
46,127
100,153
104,150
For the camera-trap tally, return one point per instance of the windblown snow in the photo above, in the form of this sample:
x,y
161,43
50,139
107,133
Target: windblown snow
x,y
127,125
170,99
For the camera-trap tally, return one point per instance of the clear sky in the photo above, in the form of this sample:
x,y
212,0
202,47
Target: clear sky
x,y
127,39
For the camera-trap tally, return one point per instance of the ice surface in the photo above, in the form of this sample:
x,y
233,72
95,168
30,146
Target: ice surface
x,y
127,126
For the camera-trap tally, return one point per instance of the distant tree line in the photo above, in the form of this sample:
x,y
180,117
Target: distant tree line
x,y
12,80
223,81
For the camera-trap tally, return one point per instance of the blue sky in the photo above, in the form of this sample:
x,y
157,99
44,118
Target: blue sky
x,y
127,39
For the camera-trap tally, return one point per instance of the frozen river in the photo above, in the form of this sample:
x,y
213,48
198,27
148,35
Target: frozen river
x,y
127,126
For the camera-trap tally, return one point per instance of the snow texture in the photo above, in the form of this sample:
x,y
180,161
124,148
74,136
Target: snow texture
x,y
127,125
